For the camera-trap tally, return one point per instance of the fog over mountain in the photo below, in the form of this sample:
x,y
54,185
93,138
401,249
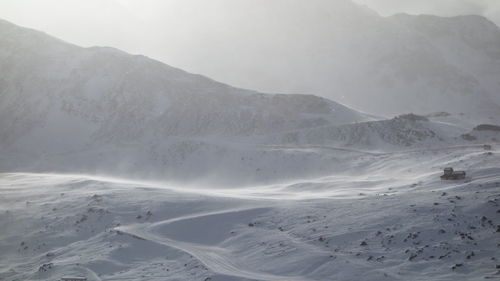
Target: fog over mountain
x,y
101,110
446,8
335,49
348,53
351,146
59,100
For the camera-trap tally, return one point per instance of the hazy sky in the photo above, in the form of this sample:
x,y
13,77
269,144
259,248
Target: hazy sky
x,y
487,8
173,31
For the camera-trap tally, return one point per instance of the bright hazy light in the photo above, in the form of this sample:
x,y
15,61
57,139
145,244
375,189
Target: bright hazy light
x,y
185,33
138,26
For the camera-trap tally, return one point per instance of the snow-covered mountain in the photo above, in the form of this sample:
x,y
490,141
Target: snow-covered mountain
x,y
119,167
470,44
402,132
114,95
60,99
102,111
346,52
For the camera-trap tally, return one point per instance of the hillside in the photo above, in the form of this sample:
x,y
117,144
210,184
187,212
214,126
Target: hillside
x,y
348,53
60,104
101,111
399,133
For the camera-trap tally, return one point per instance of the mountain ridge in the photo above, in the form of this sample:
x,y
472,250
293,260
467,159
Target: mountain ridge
x,y
101,111
64,107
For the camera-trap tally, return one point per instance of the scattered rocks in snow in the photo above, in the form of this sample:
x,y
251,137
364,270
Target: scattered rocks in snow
x,y
45,267
457,266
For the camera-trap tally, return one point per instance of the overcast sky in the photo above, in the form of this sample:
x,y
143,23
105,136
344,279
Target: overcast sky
x,y
172,30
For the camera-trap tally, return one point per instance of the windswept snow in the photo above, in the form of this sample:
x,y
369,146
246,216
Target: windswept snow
x,y
393,219
104,112
119,167
66,108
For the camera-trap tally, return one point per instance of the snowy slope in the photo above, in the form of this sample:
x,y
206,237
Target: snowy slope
x,y
398,133
391,219
101,88
62,104
101,111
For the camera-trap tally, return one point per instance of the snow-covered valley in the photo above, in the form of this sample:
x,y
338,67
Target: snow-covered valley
x,y
393,219
118,167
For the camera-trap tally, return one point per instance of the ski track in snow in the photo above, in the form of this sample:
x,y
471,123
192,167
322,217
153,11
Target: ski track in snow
x,y
213,257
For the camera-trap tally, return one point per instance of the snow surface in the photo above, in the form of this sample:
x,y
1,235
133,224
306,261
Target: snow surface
x,y
393,220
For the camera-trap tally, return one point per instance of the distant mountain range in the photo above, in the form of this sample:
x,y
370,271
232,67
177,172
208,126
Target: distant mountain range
x,y
346,52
